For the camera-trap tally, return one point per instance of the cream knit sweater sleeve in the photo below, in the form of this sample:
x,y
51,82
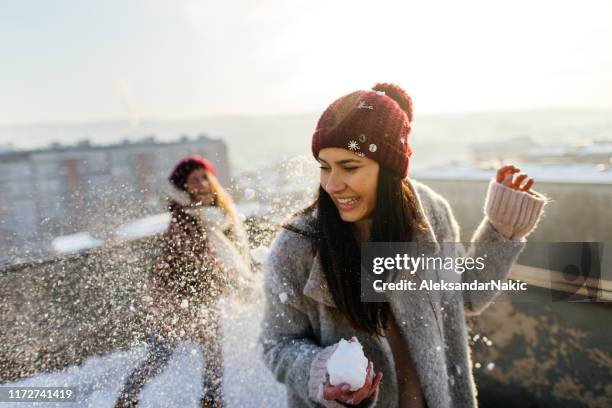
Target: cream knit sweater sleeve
x,y
513,213
510,215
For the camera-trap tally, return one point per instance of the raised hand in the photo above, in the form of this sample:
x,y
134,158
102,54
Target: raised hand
x,y
508,176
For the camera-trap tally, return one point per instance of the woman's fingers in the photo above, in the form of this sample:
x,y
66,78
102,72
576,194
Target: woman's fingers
x,y
507,176
342,392
365,391
333,392
518,180
502,172
375,384
508,180
528,185
371,391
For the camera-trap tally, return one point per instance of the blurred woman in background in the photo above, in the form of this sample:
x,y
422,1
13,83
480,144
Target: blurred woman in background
x,y
204,254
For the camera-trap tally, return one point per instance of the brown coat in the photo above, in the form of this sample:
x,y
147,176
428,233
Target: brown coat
x,y
191,275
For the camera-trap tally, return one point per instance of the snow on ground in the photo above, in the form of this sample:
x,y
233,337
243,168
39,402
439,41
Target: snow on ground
x,y
74,242
247,382
144,227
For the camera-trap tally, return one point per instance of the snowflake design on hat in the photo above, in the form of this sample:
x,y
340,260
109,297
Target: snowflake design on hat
x,y
360,154
353,145
364,105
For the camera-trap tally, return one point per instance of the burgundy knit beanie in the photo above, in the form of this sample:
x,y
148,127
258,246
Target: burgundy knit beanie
x,y
373,123
178,177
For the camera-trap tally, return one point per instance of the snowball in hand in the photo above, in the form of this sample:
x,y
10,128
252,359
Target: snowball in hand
x,y
348,364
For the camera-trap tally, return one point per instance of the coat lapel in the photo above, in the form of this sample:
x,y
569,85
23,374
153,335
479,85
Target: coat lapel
x,y
316,286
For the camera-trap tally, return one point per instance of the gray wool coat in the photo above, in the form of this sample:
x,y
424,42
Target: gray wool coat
x,y
301,318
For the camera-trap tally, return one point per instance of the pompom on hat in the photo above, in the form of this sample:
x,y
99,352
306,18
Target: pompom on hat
x,y
372,123
181,171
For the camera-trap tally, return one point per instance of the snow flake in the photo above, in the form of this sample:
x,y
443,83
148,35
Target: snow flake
x,y
373,147
364,105
260,254
353,145
283,297
184,304
360,154
362,138
249,193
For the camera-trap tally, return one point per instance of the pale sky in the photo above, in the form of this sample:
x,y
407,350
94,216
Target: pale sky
x,y
82,60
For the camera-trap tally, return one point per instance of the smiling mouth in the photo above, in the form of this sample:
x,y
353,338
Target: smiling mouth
x,y
347,203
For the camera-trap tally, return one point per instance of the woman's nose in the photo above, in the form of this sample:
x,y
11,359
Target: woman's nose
x,y
334,184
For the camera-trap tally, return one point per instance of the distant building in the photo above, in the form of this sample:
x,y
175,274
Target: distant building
x,y
66,189
524,149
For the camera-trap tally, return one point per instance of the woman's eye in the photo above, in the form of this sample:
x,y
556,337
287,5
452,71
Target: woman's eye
x,y
324,168
350,169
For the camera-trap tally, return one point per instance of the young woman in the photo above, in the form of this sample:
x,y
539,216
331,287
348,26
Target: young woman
x,y
204,253
417,349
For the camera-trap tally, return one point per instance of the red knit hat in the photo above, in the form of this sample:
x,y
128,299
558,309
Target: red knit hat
x,y
373,124
178,177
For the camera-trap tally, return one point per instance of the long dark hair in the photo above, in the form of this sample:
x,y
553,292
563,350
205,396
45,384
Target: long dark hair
x,y
394,219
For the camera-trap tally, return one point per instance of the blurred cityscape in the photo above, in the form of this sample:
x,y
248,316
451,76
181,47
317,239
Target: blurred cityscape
x,y
59,190
66,198
80,228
